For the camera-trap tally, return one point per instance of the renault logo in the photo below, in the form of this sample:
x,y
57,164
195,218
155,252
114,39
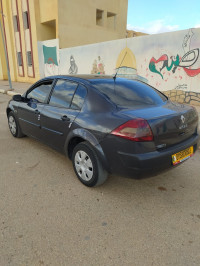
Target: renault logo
x,y
183,119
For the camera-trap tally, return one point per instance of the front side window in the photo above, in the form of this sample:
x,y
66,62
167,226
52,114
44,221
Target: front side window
x,y
41,92
63,93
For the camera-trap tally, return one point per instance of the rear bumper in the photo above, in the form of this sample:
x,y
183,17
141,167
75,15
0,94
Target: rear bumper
x,y
150,163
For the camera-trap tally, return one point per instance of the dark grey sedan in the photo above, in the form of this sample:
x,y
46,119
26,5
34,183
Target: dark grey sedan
x,y
106,125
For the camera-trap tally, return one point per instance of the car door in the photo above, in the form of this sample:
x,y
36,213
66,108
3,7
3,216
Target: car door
x,y
57,117
29,110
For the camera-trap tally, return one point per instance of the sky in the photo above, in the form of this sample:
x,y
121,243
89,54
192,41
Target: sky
x,y
157,16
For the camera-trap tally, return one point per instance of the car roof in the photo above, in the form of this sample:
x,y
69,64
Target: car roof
x,y
85,77
88,79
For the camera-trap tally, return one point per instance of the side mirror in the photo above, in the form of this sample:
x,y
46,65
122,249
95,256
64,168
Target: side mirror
x,y
17,98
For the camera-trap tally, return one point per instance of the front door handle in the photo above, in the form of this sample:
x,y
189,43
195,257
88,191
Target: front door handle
x,y
65,118
37,112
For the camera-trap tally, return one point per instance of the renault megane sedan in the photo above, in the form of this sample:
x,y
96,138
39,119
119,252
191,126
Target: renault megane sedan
x,y
106,124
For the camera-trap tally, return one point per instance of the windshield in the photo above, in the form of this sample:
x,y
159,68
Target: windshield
x,y
129,93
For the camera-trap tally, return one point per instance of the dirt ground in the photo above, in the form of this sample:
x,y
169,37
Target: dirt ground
x,y
47,217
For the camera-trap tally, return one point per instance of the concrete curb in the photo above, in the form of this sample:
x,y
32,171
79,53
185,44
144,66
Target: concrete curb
x,y
3,91
8,92
11,93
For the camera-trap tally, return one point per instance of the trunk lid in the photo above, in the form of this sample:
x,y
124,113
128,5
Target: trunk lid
x,y
171,123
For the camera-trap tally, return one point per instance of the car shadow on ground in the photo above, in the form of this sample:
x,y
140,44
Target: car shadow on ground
x,y
166,186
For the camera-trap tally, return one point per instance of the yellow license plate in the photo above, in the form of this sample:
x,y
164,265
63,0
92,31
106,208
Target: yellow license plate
x,y
182,155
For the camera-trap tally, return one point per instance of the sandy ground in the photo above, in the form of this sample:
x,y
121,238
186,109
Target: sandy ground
x,y
47,217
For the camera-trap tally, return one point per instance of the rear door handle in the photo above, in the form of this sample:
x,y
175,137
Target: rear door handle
x,y
37,112
65,118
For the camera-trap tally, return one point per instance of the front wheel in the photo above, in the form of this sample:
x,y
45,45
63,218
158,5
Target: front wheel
x,y
14,126
87,165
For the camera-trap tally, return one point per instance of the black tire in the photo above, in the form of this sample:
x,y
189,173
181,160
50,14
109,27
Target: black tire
x,y
87,165
14,126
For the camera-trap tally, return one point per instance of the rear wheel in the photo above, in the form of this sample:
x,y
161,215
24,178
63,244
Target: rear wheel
x,y
87,165
14,126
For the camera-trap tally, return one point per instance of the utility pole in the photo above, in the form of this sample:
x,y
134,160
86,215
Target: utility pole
x,y
5,52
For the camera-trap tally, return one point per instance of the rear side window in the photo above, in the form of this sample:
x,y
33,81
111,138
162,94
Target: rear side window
x,y
78,98
129,93
63,93
41,92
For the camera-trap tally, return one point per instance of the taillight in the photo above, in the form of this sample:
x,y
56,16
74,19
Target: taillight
x,y
136,130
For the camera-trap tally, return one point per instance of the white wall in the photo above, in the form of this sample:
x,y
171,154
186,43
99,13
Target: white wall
x,y
180,50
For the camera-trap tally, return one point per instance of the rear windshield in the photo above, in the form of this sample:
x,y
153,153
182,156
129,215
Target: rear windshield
x,y
129,93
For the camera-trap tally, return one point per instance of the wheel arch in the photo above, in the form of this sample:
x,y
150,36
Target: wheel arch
x,y
8,110
81,135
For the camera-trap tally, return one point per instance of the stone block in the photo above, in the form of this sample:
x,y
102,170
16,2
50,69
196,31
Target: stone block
x,y
174,91
195,98
180,92
167,93
172,94
187,99
173,98
181,101
192,93
182,96
195,102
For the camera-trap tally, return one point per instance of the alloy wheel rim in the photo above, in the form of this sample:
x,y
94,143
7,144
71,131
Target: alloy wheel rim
x,y
12,125
83,165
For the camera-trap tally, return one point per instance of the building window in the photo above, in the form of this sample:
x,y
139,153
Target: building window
x,y
99,17
29,58
25,20
111,20
28,38
19,59
16,24
17,35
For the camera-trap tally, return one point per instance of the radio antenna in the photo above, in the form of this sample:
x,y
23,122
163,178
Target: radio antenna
x,y
114,77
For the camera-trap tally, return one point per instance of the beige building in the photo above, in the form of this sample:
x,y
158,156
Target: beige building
x,y
91,21
79,22
20,37
73,22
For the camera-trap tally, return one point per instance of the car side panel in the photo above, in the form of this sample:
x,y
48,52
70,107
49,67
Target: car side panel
x,y
29,118
55,125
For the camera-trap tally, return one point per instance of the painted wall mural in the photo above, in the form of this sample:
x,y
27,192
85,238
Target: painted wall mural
x,y
169,62
126,65
98,66
48,57
50,60
186,62
73,66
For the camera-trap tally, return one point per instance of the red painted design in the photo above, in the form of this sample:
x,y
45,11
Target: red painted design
x,y
162,58
192,72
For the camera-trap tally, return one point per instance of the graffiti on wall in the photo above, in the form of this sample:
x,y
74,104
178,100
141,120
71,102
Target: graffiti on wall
x,y
50,60
73,66
98,66
126,65
181,87
174,69
171,64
